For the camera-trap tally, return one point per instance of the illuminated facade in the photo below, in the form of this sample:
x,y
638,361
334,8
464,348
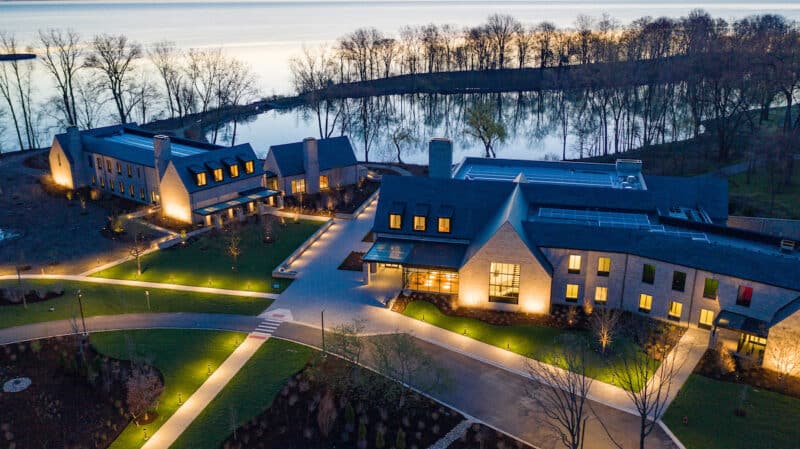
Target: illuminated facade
x,y
193,182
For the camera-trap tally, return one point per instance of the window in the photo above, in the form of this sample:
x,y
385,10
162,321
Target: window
x,y
675,309
249,167
574,266
678,281
744,296
645,303
201,179
108,166
323,182
233,170
504,282
419,223
103,182
99,163
153,197
706,318
603,266
58,158
94,181
130,171
601,294
121,187
119,168
649,273
90,160
111,185
710,289
139,172
395,221
427,280
299,186
571,295
444,225
217,174
141,194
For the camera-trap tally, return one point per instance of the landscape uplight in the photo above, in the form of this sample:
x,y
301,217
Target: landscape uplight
x,y
180,400
209,369
144,431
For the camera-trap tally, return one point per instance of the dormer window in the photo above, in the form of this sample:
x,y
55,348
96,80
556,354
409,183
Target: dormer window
x,y
249,167
444,225
234,170
201,179
217,174
420,217
444,215
419,222
395,221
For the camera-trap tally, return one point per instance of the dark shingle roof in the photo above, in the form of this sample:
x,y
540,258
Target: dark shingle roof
x,y
334,152
187,166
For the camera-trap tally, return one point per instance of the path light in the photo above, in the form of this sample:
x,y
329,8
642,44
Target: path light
x,y
508,346
147,294
209,369
180,400
144,430
209,282
465,331
423,317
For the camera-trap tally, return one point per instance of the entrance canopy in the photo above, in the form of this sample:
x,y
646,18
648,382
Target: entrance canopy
x,y
742,323
417,253
245,197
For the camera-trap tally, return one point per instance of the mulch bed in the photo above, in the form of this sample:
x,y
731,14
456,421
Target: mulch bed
x,y
12,296
353,262
748,373
343,201
292,421
69,404
479,436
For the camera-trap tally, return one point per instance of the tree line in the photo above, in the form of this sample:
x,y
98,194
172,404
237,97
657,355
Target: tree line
x,y
111,78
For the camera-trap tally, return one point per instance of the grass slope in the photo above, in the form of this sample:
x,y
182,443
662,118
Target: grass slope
x,y
248,394
100,299
182,357
206,262
771,422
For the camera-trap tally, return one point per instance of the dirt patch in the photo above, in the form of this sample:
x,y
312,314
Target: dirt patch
x,y
480,436
353,262
70,403
293,420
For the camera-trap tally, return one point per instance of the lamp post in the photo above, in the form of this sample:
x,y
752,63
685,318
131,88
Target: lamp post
x,y
80,306
147,294
322,317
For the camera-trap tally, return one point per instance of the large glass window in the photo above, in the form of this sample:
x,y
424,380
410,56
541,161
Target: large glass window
x,y
574,266
299,186
427,280
752,346
678,281
444,225
324,183
706,318
419,223
601,295
710,289
572,292
395,221
649,273
744,296
504,282
645,302
675,310
603,266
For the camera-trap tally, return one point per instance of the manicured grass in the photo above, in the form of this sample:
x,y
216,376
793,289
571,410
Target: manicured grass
x,y
101,299
247,395
771,421
182,357
206,262
528,339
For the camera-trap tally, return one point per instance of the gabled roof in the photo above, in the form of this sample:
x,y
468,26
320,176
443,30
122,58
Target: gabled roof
x,y
188,166
334,152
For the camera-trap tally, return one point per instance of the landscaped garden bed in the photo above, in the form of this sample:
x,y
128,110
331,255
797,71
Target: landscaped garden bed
x,y
309,413
746,371
353,262
479,436
344,200
207,261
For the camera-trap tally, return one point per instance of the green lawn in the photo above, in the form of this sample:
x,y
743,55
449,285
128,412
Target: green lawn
x,y
755,198
100,299
206,262
247,395
771,422
528,339
182,357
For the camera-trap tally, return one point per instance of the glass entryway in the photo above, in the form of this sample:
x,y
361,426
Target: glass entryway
x,y
430,280
752,346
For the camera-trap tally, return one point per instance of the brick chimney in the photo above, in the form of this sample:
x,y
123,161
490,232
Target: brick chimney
x,y
311,164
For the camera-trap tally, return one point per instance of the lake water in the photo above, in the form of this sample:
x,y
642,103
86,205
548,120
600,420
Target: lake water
x,y
267,33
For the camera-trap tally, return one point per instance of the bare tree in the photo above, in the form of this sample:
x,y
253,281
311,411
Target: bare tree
x,y
604,323
783,352
167,60
233,244
60,53
312,72
115,56
482,125
238,87
136,250
559,388
15,79
205,71
400,136
501,29
142,388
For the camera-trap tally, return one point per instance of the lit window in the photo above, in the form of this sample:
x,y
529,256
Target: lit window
x,y
323,182
419,223
111,185
444,225
119,168
234,170
706,318
153,197
103,182
121,187
504,282
141,194
130,171
422,279
217,174
99,163
678,281
94,181
395,221
645,302
601,294
249,167
675,309
572,292
648,273
132,190
603,266
710,288
574,264
108,165
299,186
744,296
201,179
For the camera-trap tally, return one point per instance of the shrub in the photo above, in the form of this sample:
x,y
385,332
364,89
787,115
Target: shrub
x,y
380,439
400,442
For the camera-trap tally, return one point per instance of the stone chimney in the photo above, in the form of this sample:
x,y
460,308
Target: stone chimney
x,y
440,158
162,153
311,164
